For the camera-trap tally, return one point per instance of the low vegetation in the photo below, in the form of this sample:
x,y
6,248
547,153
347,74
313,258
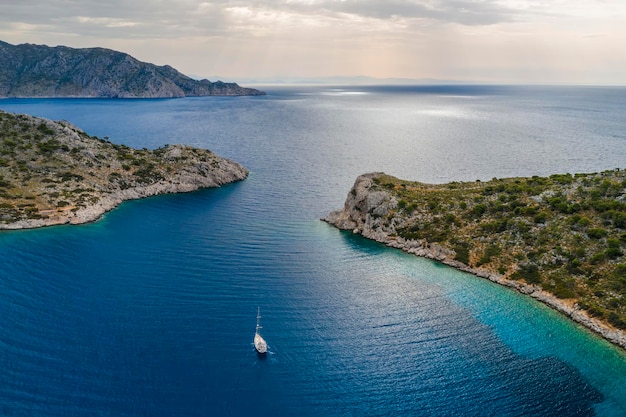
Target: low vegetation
x,y
564,233
48,168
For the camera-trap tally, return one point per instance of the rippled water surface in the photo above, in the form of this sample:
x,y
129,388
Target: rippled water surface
x,y
151,310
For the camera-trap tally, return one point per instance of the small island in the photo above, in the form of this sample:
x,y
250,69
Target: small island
x,y
54,173
559,239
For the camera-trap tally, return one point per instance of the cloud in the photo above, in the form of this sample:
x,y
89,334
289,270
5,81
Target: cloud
x,y
117,18
172,18
381,38
466,12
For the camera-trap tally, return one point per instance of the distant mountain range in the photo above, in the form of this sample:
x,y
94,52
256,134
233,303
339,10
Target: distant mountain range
x,y
350,81
42,71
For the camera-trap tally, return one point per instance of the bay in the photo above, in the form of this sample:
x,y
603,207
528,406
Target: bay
x,y
151,310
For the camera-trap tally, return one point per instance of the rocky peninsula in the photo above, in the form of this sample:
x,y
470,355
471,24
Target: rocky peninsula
x,y
51,172
558,239
42,71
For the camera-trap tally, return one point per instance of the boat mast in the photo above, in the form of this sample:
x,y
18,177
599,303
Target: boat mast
x,y
259,343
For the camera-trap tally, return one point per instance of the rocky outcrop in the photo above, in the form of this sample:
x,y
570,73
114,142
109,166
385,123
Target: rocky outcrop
x,y
54,173
370,212
41,71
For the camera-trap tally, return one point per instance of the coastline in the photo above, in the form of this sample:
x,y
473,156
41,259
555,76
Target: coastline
x,y
54,173
356,216
108,202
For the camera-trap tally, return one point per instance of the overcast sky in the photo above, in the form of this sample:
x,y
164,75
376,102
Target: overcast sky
x,y
493,41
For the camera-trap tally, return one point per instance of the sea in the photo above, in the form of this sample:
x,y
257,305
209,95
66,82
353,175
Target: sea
x,y
151,310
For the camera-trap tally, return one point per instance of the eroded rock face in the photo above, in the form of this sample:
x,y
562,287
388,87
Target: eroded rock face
x,y
362,206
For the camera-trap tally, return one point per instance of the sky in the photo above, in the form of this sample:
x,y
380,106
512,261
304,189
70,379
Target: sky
x,y
484,41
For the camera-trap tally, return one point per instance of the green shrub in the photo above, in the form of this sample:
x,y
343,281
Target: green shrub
x,y
540,217
478,210
529,272
613,252
490,252
43,128
462,253
616,320
597,258
596,233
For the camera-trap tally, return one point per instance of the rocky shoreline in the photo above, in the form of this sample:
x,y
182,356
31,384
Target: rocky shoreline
x,y
362,212
53,173
188,182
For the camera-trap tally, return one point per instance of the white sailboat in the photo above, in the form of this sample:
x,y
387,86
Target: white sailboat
x,y
259,343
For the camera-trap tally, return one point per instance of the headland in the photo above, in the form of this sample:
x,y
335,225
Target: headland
x,y
558,239
52,172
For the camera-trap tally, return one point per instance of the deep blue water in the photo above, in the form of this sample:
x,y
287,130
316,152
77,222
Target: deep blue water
x,y
151,310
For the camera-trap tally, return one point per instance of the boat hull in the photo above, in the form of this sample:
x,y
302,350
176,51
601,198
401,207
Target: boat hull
x,y
260,344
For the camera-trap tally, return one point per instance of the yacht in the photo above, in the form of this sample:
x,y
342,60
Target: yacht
x,y
259,343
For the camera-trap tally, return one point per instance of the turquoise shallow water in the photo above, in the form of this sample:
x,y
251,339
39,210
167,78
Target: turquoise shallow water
x,y
151,310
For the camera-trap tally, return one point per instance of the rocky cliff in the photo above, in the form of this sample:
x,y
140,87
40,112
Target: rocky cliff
x,y
379,212
54,173
41,71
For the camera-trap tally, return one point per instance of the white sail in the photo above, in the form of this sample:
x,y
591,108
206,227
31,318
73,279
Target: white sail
x,y
259,343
